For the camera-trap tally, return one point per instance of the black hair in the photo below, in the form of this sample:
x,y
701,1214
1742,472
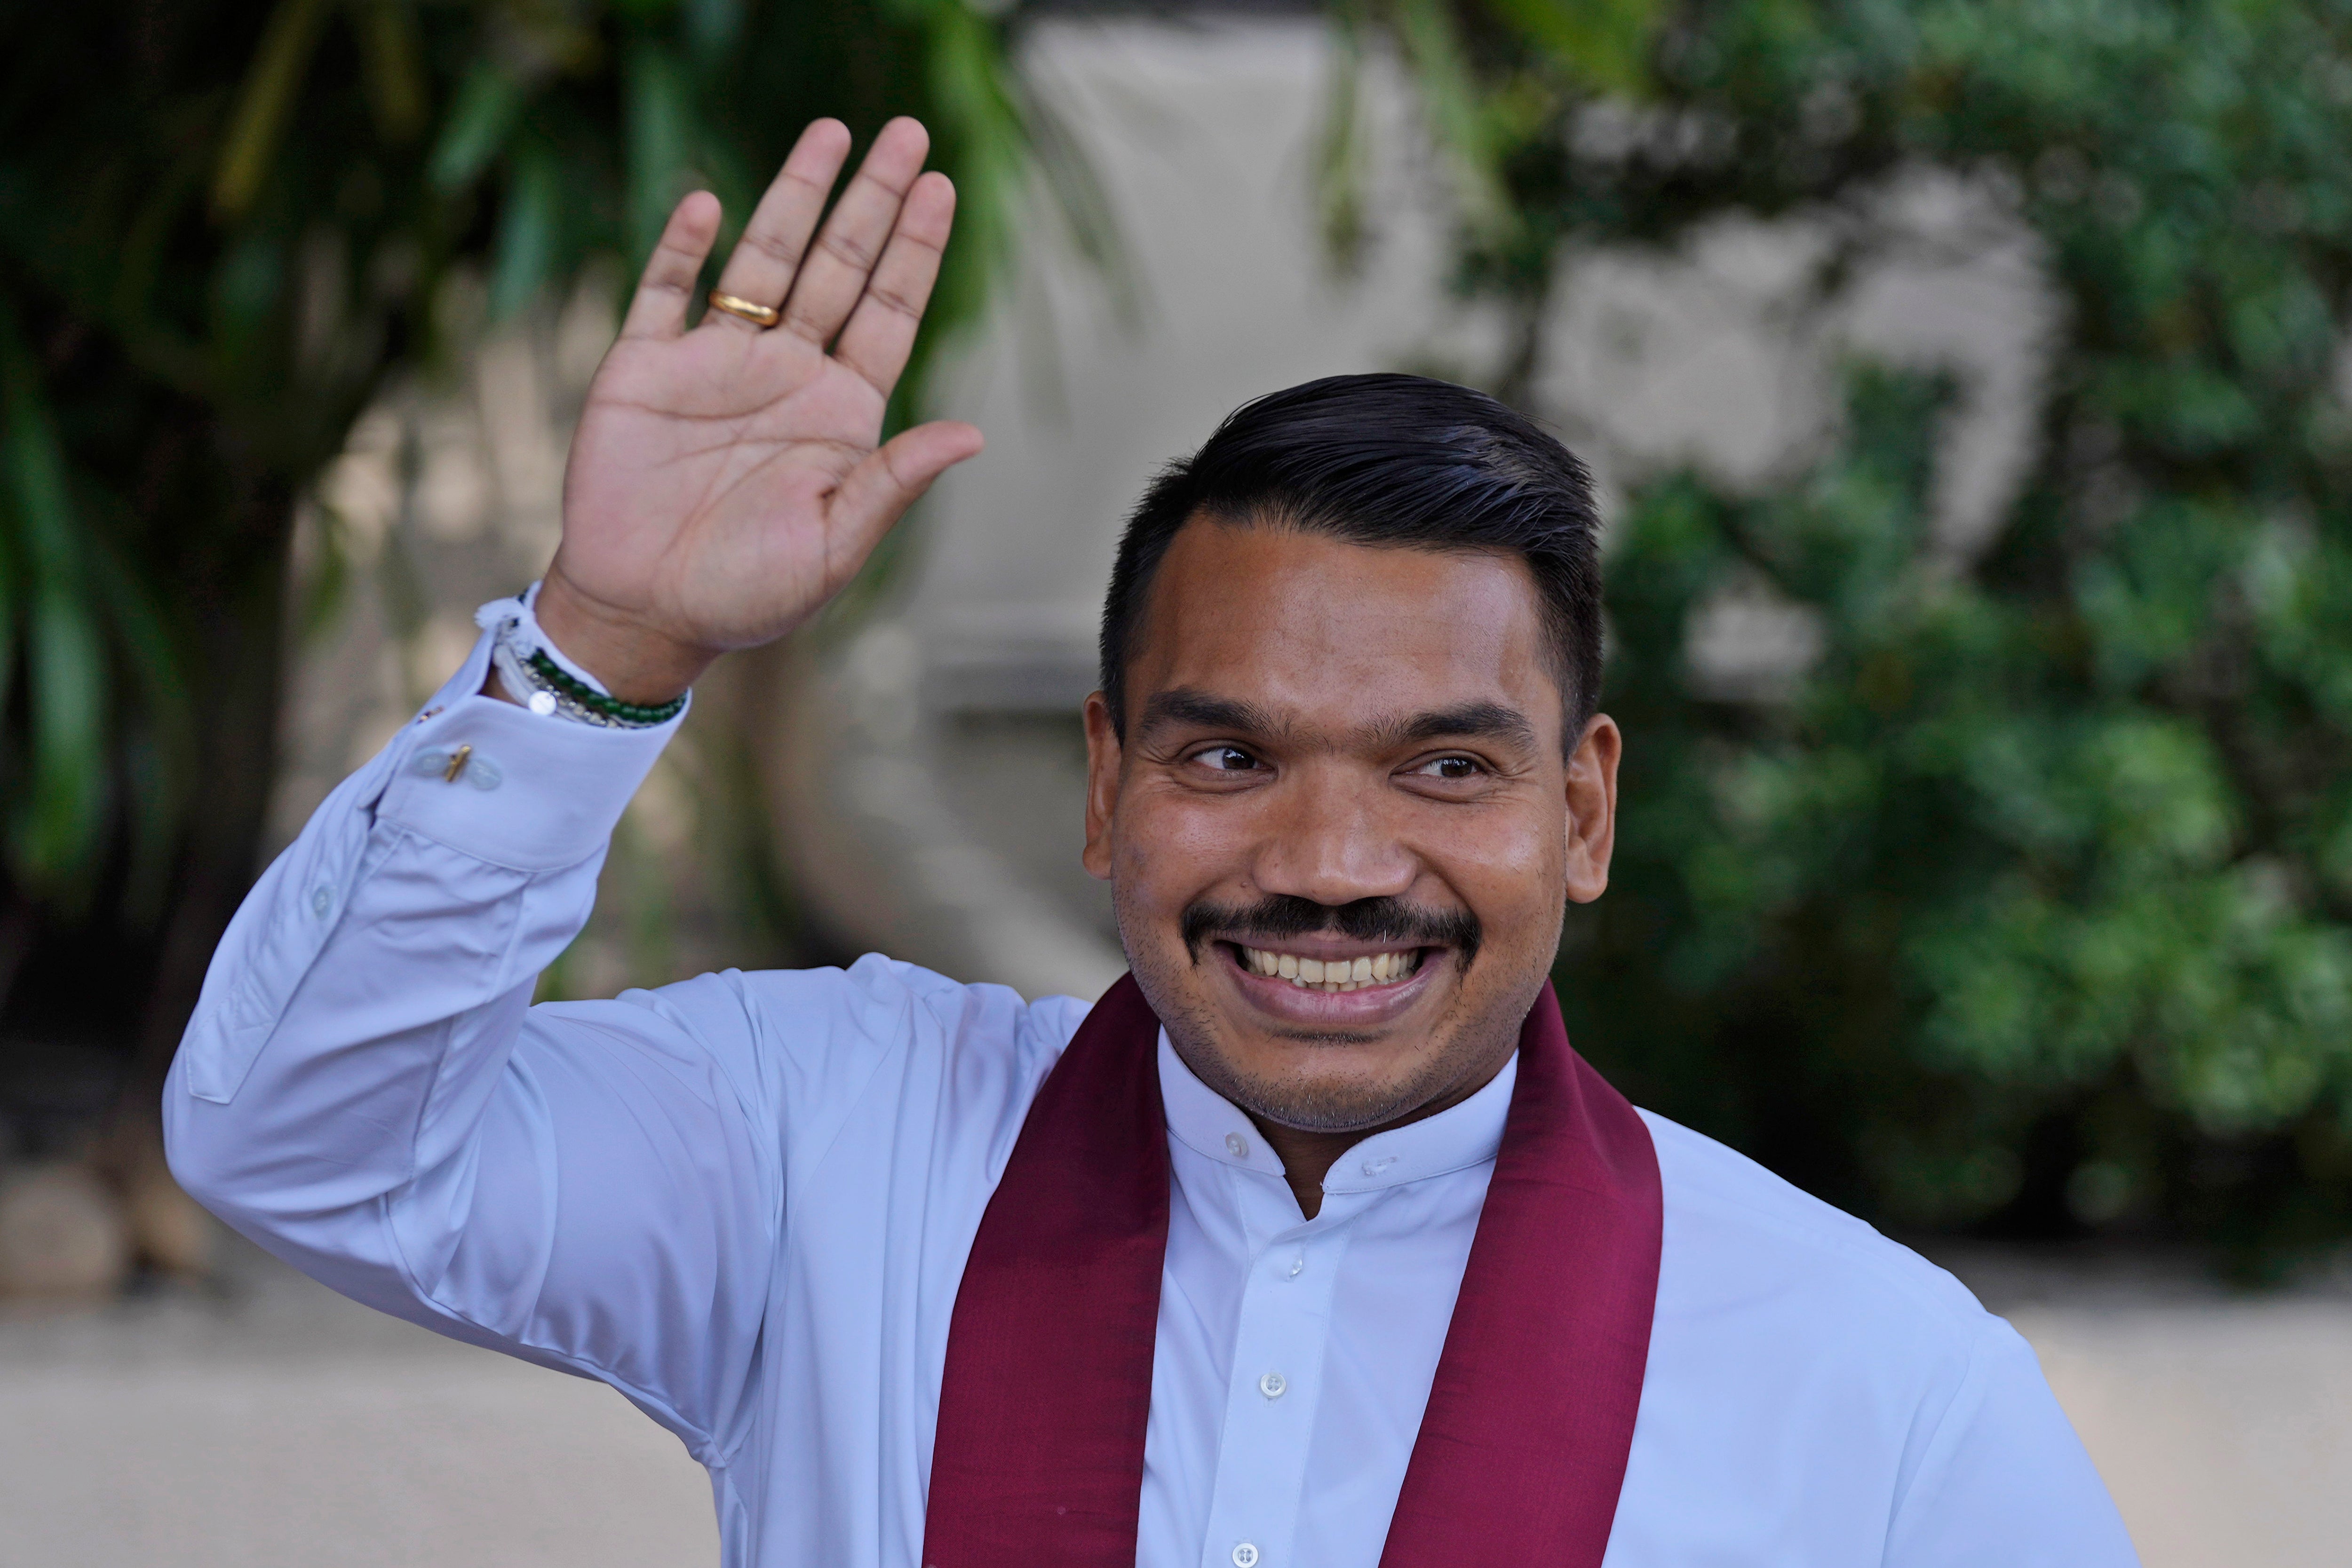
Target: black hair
x,y
1386,461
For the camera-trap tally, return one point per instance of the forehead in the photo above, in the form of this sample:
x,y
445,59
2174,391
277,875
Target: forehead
x,y
1294,619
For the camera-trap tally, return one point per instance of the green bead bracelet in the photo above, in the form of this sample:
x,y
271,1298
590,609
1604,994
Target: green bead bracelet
x,y
589,697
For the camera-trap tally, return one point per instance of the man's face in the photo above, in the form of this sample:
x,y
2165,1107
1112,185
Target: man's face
x,y
1343,762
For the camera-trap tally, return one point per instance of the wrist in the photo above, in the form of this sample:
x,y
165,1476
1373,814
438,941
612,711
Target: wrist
x,y
633,663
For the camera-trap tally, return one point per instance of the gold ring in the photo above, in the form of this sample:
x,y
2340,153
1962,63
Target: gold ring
x,y
758,315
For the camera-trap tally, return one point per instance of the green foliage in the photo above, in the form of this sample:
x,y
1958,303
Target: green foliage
x,y
2030,901
59,587
222,225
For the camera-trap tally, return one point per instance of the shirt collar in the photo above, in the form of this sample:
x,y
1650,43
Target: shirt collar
x,y
1455,1139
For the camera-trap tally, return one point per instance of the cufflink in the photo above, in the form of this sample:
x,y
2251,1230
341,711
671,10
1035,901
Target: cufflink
x,y
456,765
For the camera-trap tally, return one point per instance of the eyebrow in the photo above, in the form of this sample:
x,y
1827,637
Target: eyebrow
x,y
1189,707
1193,709
1464,721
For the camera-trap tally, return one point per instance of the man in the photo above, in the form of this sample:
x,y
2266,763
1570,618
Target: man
x,y
1312,1243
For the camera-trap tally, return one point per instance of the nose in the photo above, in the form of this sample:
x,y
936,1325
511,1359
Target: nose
x,y
1330,841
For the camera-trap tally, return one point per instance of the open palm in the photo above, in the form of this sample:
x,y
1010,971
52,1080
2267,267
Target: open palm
x,y
725,481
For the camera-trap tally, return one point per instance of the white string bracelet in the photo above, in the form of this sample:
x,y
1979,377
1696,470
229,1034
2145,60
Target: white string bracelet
x,y
550,684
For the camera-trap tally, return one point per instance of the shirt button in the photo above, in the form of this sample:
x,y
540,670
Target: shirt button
x,y
1273,1384
1245,1556
1240,1148
322,901
1375,1167
1298,1266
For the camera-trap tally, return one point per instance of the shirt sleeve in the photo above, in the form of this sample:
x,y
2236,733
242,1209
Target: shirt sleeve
x,y
2001,1480
365,1091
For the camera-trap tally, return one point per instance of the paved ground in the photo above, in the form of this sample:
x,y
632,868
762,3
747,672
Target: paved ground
x,y
2222,1422
280,1426
277,1426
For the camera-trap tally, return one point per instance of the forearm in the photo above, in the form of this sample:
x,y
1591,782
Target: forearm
x,y
363,1004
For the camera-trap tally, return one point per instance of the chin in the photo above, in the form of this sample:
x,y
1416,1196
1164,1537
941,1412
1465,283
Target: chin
x,y
1295,1095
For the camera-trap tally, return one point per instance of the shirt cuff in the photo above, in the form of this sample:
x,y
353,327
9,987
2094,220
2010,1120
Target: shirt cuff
x,y
499,782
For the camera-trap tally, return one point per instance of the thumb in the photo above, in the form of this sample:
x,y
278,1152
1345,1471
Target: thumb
x,y
894,476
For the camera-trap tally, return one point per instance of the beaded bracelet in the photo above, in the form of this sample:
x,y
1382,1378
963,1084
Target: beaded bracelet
x,y
638,715
546,688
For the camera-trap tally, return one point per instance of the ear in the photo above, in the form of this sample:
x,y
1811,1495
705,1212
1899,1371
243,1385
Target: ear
x,y
1593,808
1102,785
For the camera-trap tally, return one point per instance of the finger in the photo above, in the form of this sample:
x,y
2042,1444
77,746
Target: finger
x,y
834,272
762,266
878,491
881,331
666,287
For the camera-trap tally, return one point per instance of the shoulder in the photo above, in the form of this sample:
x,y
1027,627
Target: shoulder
x,y
1807,1374
1741,1242
810,1044
898,998
1782,1318
877,1002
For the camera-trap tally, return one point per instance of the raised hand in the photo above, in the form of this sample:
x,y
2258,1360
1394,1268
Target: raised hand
x,y
726,481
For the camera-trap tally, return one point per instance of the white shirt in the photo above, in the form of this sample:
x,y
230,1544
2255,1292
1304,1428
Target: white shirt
x,y
745,1202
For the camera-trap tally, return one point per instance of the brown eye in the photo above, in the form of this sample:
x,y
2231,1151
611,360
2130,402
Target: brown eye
x,y
1453,769
1227,759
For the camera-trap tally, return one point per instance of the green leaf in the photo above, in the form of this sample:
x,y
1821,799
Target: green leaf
x,y
264,103
712,27
158,756
527,231
660,107
14,579
66,671
1605,44
391,57
1455,107
1340,152
54,827
484,115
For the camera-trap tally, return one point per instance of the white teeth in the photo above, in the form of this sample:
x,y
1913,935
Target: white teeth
x,y
1335,975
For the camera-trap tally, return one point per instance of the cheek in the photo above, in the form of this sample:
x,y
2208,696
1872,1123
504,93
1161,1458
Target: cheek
x,y
1509,866
1176,846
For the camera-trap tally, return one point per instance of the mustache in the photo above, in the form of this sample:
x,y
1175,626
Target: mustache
x,y
1281,914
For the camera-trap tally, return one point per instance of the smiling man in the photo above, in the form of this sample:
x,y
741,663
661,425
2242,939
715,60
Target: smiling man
x,y
1345,762
1312,1242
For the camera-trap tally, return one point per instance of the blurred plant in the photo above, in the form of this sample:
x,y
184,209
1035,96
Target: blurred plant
x,y
222,225
2028,901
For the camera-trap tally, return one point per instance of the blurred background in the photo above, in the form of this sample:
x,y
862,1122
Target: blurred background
x,y
1970,387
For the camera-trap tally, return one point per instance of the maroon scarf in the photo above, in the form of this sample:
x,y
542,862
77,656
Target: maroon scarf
x,y
1039,1458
